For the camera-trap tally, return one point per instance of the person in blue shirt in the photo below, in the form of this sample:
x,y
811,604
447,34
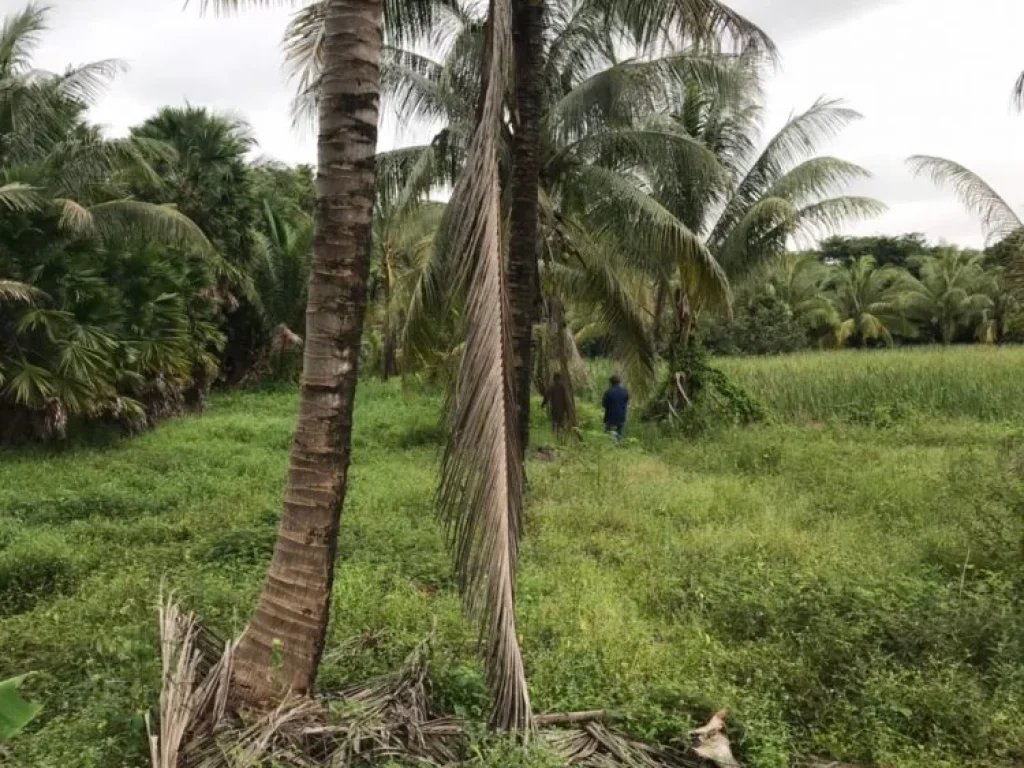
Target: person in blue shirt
x,y
616,405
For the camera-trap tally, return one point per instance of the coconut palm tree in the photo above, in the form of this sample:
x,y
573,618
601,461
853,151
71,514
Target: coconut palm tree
x,y
556,46
871,303
292,613
762,199
952,293
1003,319
594,140
800,281
403,242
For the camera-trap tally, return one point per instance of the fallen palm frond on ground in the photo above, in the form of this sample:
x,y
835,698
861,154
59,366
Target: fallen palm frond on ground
x,y
389,719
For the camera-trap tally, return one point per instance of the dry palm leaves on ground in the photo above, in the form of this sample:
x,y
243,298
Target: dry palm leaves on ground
x,y
389,719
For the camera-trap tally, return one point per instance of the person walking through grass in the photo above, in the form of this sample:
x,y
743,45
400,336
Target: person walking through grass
x,y
616,406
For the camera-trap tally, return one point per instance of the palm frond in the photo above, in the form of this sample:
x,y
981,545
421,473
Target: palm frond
x,y
81,166
817,178
75,218
303,53
20,197
649,231
828,216
1018,93
705,23
12,290
592,277
797,140
624,93
84,84
407,175
19,36
758,237
998,219
642,147
480,495
162,223
414,85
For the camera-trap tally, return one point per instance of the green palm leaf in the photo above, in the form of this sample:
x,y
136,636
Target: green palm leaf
x,y
19,36
118,219
997,216
621,207
704,22
795,142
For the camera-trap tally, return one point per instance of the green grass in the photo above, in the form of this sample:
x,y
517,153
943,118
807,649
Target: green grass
x,y
847,591
976,382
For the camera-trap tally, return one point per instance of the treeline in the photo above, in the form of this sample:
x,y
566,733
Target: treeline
x,y
870,292
134,272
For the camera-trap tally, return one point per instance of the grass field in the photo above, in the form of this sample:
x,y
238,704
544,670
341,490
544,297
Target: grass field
x,y
881,386
847,579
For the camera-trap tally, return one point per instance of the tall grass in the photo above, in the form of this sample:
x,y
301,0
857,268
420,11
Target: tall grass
x,y
984,383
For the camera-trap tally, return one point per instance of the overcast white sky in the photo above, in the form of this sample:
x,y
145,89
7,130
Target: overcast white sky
x,y
930,77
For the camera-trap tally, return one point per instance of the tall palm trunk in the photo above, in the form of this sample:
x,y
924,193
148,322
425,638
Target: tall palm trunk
x,y
659,311
282,647
561,337
523,273
682,330
389,361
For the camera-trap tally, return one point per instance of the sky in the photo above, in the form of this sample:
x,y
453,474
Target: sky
x,y
929,76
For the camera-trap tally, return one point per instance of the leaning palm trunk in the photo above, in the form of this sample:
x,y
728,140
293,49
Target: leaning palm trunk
x,y
523,276
480,496
290,621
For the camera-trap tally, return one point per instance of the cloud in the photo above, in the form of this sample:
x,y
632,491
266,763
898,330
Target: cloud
x,y
231,64
789,20
929,78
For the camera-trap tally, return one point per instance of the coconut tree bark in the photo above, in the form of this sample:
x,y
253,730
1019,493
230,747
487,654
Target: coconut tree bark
x,y
523,272
682,329
389,360
659,311
281,649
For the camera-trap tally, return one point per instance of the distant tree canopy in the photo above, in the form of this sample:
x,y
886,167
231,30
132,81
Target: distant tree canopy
x,y
843,295
885,249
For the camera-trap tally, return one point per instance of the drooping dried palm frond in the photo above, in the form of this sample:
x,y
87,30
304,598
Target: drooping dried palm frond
x,y
12,290
20,197
367,724
391,718
597,745
480,495
194,692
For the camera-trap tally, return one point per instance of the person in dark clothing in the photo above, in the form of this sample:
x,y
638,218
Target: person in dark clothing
x,y
556,400
616,405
